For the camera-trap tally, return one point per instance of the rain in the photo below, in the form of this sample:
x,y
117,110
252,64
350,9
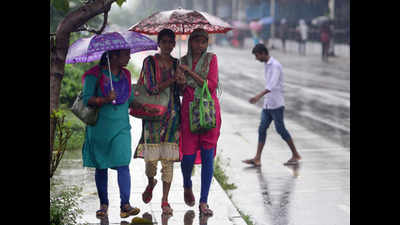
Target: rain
x,y
317,115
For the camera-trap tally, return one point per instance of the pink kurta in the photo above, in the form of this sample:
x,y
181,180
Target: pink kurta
x,y
191,142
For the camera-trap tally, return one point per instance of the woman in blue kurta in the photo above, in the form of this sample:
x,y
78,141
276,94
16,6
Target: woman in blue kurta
x,y
108,143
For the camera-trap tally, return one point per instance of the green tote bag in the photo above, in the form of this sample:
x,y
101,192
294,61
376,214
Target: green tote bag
x,y
202,111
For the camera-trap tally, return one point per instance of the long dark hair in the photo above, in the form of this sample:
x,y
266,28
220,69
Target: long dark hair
x,y
103,59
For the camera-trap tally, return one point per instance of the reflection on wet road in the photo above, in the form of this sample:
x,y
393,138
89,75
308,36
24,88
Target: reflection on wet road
x,y
317,115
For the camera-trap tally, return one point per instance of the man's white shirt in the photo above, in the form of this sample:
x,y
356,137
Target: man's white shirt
x,y
273,82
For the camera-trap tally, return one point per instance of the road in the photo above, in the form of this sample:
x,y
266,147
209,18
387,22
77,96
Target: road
x,y
317,94
317,114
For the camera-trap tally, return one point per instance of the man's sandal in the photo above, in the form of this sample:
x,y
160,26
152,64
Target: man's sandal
x,y
102,212
166,208
148,193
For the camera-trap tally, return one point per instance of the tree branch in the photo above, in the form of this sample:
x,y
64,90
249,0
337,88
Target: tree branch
x,y
105,20
86,28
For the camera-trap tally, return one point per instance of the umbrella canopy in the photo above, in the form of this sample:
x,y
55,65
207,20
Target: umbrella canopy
x,y
266,20
181,21
90,49
255,25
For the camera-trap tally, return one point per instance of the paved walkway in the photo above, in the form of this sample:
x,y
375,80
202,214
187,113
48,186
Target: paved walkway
x,y
224,211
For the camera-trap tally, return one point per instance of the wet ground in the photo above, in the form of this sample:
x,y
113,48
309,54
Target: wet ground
x,y
317,114
317,94
72,173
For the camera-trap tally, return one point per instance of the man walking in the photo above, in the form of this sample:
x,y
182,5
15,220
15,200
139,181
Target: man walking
x,y
274,105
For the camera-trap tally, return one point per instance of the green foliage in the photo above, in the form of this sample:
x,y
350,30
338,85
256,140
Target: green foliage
x,y
246,218
120,2
63,133
220,176
61,5
71,84
64,204
78,132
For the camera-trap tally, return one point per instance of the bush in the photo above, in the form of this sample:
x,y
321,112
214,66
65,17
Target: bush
x,y
71,83
63,133
64,205
78,131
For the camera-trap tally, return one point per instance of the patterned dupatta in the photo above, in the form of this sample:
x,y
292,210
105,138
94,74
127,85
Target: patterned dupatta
x,y
202,66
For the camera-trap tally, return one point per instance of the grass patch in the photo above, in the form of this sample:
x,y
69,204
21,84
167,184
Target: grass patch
x,y
246,218
221,177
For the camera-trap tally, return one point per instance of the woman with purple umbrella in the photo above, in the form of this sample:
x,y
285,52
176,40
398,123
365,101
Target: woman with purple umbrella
x,y
108,143
107,86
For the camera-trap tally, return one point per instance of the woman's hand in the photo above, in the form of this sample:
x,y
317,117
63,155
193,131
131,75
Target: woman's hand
x,y
184,68
180,77
112,96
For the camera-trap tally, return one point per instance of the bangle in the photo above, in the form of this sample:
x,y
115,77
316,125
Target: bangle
x,y
99,101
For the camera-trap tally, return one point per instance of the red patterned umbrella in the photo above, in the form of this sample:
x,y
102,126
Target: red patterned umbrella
x,y
181,21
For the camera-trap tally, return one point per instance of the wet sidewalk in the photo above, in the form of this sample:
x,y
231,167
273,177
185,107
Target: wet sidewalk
x,y
315,193
225,212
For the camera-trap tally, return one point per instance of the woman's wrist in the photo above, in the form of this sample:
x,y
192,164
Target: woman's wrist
x,y
100,101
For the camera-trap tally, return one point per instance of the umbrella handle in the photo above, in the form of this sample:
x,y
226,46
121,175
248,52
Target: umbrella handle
x,y
109,72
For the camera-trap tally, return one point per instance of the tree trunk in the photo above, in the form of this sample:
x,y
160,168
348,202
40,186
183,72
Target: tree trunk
x,y
59,50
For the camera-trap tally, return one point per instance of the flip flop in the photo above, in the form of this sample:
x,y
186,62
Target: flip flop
x,y
292,162
251,162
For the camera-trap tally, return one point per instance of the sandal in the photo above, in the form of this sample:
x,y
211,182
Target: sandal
x,y
252,162
148,193
189,198
205,211
292,162
166,208
102,212
127,210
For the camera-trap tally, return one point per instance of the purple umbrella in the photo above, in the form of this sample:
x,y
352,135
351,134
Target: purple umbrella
x,y
90,49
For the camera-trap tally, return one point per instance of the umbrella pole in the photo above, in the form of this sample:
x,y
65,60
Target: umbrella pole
x,y
109,71
180,42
